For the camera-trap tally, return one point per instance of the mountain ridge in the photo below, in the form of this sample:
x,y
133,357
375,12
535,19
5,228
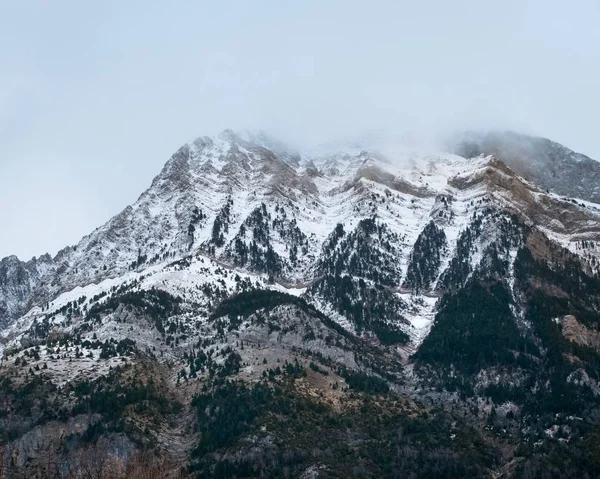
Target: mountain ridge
x,y
179,175
433,280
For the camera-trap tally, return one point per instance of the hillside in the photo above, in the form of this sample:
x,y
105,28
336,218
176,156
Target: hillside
x,y
331,313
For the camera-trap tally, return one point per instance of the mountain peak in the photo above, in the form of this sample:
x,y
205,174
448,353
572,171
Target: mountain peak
x,y
339,281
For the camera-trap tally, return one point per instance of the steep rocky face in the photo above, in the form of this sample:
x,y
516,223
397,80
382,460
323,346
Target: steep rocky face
x,y
173,216
576,332
330,288
364,220
548,164
188,202
18,284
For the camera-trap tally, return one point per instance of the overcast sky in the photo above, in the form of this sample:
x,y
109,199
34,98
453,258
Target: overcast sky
x,y
96,96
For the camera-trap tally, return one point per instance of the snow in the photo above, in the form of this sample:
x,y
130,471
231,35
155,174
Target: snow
x,y
400,186
422,314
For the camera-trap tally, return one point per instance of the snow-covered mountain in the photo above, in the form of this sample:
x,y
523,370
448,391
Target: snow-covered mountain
x,y
375,245
548,164
263,210
302,221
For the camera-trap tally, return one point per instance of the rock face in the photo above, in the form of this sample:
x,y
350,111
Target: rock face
x,y
271,211
578,333
18,284
250,274
548,164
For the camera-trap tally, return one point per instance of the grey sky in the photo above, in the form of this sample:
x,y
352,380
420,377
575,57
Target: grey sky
x,y
95,96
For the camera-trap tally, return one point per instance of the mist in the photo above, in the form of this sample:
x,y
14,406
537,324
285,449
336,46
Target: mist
x,y
95,97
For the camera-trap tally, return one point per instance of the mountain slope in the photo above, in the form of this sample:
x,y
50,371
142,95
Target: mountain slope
x,y
332,288
550,165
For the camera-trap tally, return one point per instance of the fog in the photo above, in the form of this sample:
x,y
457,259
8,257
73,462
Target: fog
x,y
96,96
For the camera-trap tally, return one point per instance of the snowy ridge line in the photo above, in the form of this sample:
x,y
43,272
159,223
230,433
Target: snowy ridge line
x,y
202,203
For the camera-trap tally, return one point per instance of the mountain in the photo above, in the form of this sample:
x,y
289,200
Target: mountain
x,y
550,165
344,312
